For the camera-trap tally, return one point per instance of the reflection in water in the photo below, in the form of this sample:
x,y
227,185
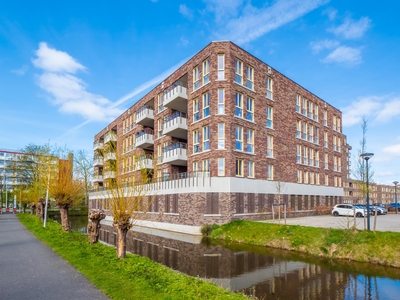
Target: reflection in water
x,y
76,223
261,272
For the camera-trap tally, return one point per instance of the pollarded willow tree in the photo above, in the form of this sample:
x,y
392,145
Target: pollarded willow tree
x,y
66,190
127,203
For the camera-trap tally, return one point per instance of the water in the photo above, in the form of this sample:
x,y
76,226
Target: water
x,y
76,223
261,272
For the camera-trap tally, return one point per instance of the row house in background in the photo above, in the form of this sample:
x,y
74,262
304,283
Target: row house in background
x,y
226,136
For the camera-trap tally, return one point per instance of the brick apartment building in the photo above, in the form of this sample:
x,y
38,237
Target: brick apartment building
x,y
226,136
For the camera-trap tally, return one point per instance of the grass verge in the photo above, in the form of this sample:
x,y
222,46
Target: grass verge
x,y
380,248
135,277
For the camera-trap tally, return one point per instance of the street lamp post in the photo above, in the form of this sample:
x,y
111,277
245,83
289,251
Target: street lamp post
x,y
395,194
366,157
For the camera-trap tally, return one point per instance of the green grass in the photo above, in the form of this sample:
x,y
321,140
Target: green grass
x,y
381,247
134,277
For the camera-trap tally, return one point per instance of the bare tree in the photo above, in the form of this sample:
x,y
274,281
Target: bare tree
x,y
360,172
84,171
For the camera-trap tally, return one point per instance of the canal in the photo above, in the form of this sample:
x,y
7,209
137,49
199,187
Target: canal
x,y
259,271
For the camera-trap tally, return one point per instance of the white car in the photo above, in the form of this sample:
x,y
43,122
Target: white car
x,y
348,210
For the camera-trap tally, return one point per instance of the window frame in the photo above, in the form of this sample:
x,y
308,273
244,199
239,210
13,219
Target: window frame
x,y
221,66
221,101
270,117
249,109
196,77
238,71
206,71
206,138
250,140
238,105
221,137
269,86
206,104
250,79
238,137
196,141
239,167
270,146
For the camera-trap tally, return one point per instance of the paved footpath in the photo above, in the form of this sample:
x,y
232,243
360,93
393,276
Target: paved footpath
x,y
31,270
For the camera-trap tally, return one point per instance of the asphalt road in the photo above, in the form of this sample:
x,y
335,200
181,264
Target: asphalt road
x,y
31,270
389,222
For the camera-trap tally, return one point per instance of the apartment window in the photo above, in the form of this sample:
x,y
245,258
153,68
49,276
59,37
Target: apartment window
x,y
206,165
239,167
196,166
305,155
206,104
304,107
335,183
339,181
317,178
249,77
196,110
238,71
334,163
339,144
326,139
160,102
160,127
325,118
339,164
206,71
238,105
269,113
317,158
221,136
310,133
311,156
250,169
316,135
206,138
298,157
249,109
306,177
310,110
250,140
221,101
159,155
196,78
312,178
270,146
316,112
326,161
338,125
304,135
298,103
334,143
239,138
326,180
221,66
299,176
196,141
269,88
334,123
270,172
221,166
298,129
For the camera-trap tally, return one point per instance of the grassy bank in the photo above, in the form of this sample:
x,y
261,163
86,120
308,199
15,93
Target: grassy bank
x,y
380,247
135,277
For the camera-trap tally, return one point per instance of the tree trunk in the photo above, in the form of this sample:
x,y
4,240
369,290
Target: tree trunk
x,y
122,230
33,208
64,217
40,208
95,217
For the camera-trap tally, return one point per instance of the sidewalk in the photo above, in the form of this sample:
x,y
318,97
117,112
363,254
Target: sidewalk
x,y
31,270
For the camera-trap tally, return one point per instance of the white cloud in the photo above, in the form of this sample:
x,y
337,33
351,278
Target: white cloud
x,y
185,11
53,60
67,90
21,71
331,13
325,44
184,41
384,173
365,106
391,109
392,150
254,22
344,55
351,29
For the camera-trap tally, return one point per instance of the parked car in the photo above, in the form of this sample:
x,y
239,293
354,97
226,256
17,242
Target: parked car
x,y
392,206
348,210
381,210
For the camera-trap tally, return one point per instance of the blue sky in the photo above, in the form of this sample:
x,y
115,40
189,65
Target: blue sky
x,y
67,68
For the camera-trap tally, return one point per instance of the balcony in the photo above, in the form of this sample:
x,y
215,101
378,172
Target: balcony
x,y
176,125
109,174
98,162
110,156
145,116
176,97
175,154
144,162
97,178
145,139
97,145
110,136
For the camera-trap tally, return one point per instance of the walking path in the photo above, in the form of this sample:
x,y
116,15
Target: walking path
x,y
31,270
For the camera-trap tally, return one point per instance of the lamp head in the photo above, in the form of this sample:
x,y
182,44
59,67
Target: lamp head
x,y
366,156
395,182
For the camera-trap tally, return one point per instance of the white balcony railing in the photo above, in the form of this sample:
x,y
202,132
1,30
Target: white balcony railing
x,y
176,97
110,156
97,145
109,174
110,136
